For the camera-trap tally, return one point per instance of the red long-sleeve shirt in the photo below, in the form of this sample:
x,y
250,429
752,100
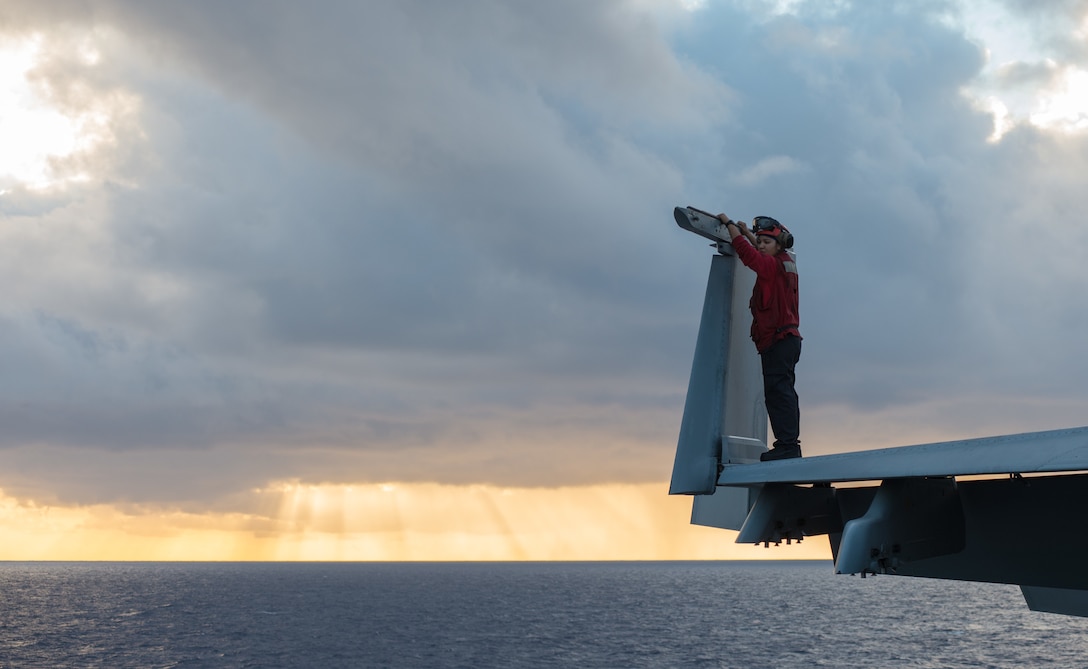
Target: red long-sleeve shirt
x,y
774,302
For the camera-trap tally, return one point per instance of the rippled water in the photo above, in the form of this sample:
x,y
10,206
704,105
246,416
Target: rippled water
x,y
664,614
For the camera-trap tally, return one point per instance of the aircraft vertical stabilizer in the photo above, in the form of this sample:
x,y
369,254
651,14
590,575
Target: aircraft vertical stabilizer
x,y
724,421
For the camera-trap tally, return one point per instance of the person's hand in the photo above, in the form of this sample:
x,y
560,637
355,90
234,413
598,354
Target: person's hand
x,y
748,234
724,219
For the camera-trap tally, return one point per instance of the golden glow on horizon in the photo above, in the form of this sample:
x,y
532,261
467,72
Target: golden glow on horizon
x,y
391,521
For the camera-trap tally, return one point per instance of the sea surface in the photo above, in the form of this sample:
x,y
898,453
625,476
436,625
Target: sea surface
x,y
584,614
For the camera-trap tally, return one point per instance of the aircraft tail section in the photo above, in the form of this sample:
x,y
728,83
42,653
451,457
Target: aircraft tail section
x,y
724,420
992,509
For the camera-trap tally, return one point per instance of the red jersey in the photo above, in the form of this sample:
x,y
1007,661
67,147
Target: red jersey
x,y
774,298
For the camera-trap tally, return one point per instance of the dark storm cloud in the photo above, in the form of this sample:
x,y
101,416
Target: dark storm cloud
x,y
418,241
871,107
352,239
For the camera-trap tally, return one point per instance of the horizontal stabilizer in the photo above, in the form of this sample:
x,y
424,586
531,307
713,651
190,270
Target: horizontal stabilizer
x,y
1032,452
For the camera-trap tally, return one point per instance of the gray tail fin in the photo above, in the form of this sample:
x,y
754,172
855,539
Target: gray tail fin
x,y
724,421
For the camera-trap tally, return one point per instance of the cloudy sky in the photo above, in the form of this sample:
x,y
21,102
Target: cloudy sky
x,y
399,279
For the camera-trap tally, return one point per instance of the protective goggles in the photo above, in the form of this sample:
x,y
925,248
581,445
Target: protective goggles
x,y
766,225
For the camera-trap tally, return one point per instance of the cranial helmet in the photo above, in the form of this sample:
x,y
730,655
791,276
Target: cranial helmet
x,y
765,225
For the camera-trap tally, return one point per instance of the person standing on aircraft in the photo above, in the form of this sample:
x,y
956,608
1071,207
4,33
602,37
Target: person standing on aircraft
x,y
774,324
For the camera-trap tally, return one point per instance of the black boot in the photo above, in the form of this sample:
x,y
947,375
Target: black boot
x,y
782,452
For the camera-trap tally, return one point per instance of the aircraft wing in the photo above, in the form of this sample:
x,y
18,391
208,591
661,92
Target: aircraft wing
x,y
1029,453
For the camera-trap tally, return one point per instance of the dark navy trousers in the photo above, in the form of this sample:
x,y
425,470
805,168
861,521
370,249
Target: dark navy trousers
x,y
778,391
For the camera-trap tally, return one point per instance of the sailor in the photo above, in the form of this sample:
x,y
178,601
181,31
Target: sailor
x,y
774,323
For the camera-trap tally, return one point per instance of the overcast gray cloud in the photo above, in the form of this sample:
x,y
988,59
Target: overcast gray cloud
x,y
419,241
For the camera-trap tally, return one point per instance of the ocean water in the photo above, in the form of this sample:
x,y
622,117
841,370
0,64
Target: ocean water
x,y
614,614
